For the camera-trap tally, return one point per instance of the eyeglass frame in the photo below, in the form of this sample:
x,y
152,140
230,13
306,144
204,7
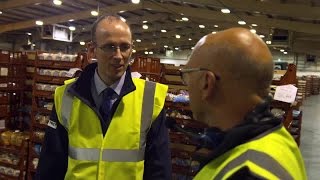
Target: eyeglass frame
x,y
190,70
115,47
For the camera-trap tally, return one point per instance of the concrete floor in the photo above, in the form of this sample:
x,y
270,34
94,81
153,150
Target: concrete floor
x,y
310,136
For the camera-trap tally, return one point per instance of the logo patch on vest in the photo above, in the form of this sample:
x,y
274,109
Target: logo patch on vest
x,y
52,124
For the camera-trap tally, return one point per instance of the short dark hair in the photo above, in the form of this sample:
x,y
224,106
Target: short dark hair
x,y
96,23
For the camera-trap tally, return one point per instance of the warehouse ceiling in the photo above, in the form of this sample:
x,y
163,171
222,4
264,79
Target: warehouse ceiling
x,y
293,25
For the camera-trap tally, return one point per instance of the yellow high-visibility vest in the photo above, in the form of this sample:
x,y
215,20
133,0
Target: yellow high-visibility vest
x,y
120,153
273,156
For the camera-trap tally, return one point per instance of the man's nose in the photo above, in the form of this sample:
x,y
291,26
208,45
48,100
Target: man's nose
x,y
117,53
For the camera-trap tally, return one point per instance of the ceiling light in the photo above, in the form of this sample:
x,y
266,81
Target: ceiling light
x,y
122,11
261,36
150,52
94,13
138,40
145,26
165,46
57,2
216,26
177,36
0,12
192,47
33,45
253,31
268,42
39,23
225,11
254,25
282,50
134,51
71,20
144,22
163,30
189,39
29,33
123,19
176,48
285,52
72,28
242,22
82,43
185,19
213,32
279,59
201,26
135,1
146,52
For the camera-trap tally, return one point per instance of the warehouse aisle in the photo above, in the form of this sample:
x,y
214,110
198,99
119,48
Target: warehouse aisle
x,y
310,136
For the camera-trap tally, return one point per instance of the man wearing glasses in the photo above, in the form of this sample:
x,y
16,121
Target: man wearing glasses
x,y
106,124
228,77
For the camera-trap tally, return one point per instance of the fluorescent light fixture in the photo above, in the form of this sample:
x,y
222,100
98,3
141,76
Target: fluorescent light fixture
x,y
71,20
254,25
39,23
268,42
178,36
144,22
146,52
82,43
253,31
57,2
285,52
185,19
94,13
190,39
122,11
135,1
176,48
29,33
282,50
163,30
165,46
138,40
214,32
242,22
216,26
202,26
134,51
150,52
225,11
261,36
72,28
145,26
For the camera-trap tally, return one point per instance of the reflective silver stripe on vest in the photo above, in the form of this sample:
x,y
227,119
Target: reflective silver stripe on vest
x,y
259,158
110,155
147,111
85,154
66,107
115,155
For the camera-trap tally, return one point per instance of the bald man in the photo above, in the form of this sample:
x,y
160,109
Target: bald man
x,y
228,77
107,125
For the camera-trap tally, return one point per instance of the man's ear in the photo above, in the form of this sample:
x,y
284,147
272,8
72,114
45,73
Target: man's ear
x,y
91,50
208,85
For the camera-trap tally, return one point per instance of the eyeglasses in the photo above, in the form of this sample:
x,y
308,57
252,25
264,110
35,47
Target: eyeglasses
x,y
111,48
185,79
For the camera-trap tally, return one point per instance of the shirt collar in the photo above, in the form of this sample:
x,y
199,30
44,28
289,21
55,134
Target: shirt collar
x,y
101,86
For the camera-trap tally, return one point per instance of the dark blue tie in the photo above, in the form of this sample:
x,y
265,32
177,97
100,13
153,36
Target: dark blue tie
x,y
105,108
